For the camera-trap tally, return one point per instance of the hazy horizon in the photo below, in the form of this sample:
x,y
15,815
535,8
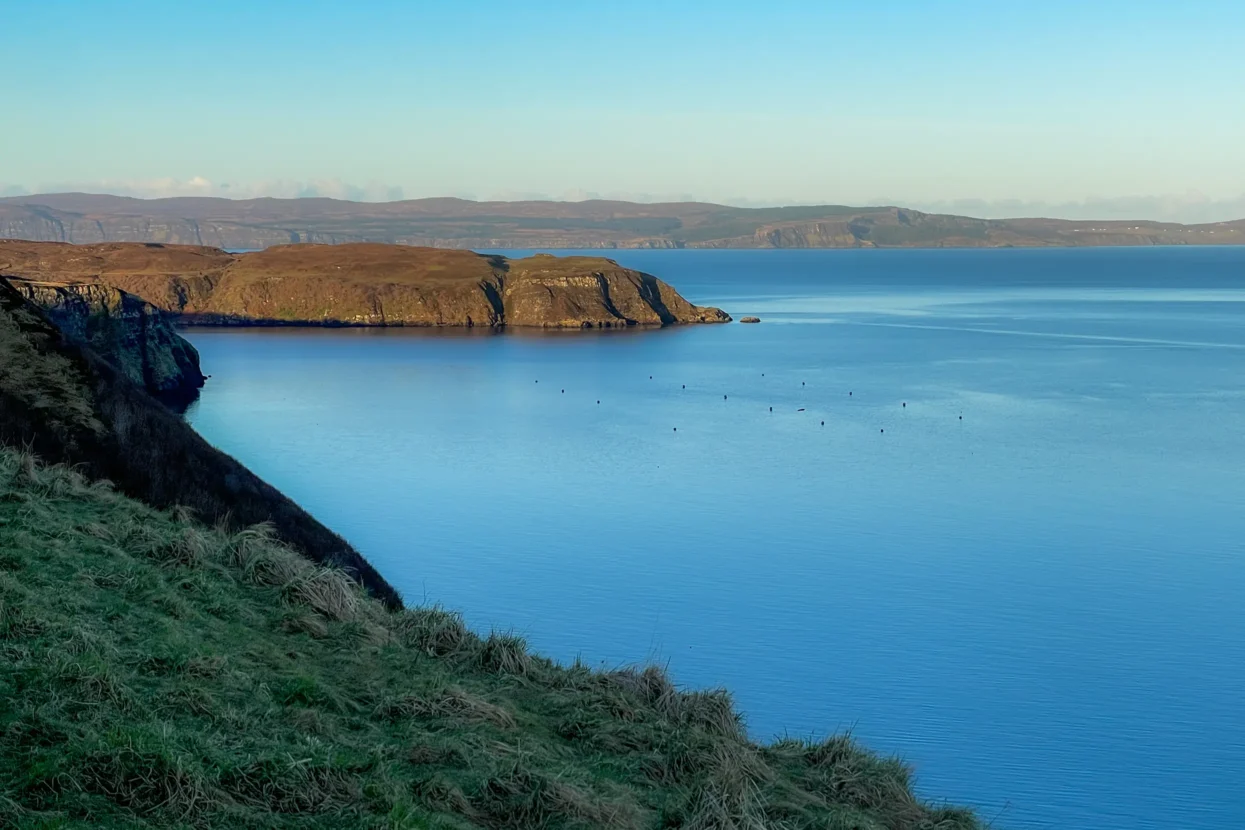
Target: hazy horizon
x,y
1106,111
1165,209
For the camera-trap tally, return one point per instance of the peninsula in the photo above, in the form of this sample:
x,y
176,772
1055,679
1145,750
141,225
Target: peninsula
x,y
362,284
459,223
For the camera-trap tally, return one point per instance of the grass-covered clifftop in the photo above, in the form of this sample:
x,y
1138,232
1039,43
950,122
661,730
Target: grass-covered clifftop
x,y
156,672
365,285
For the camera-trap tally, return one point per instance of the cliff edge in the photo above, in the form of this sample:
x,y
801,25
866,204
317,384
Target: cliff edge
x,y
66,404
128,332
365,284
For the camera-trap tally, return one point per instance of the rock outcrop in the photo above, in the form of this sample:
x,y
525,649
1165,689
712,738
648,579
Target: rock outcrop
x,y
128,332
365,284
65,403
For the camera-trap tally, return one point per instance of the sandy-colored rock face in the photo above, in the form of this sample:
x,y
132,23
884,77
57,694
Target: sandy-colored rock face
x,y
133,335
366,284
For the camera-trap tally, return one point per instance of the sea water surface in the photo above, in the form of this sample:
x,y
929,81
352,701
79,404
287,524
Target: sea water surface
x,y
1029,581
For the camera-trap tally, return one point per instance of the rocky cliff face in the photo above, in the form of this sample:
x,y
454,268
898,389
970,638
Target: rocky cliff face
x,y
62,401
131,334
365,284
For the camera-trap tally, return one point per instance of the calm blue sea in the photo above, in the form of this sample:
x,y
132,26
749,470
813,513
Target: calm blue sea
x,y
1029,581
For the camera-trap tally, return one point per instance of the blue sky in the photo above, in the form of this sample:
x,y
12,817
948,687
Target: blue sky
x,y
1053,104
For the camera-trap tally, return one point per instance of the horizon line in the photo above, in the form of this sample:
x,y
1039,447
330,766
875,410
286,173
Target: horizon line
x,y
28,198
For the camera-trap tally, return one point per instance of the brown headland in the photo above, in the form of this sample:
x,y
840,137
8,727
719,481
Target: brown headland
x,y
364,284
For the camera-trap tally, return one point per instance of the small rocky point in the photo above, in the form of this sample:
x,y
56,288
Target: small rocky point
x,y
749,319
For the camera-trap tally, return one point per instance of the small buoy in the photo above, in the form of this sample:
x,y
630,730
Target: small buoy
x,y
771,409
685,386
676,429
563,391
823,423
801,383
849,394
650,377
905,404
961,417
881,430
598,403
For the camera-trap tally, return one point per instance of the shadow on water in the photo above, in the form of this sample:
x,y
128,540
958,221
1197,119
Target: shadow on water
x,y
434,332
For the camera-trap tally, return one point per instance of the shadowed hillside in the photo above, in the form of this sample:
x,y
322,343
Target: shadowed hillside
x,y
458,223
66,404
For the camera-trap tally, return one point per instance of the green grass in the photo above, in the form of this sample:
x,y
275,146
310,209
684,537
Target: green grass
x,y
155,672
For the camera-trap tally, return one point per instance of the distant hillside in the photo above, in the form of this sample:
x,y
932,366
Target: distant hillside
x,y
457,223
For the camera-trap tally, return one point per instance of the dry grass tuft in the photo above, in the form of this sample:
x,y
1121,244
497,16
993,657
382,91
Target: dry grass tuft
x,y
505,654
517,797
434,632
453,704
329,592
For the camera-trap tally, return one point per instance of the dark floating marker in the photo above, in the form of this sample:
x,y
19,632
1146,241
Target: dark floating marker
x,y
650,377
563,391
801,383
881,430
771,409
905,404
676,429
961,417
801,409
849,394
598,402
823,423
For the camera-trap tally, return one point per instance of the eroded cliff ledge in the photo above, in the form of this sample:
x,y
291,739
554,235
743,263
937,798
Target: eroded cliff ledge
x,y
130,333
365,284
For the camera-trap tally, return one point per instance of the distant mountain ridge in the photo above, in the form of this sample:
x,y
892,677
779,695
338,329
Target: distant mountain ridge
x,y
459,223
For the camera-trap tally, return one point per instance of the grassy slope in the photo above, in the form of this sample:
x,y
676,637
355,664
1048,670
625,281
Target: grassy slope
x,y
69,405
158,673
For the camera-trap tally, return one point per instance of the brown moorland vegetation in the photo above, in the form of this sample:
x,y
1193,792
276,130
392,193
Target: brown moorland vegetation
x,y
364,284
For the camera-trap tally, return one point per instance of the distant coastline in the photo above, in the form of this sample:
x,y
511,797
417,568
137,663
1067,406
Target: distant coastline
x,y
257,224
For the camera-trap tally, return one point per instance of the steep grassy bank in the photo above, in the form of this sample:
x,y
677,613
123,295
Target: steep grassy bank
x,y
156,672
69,405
